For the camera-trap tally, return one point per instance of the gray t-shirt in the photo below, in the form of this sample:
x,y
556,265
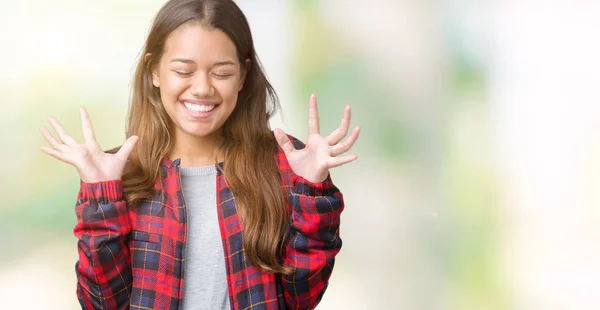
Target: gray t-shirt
x,y
205,276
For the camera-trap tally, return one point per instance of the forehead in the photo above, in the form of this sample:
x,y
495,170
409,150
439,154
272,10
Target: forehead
x,y
199,43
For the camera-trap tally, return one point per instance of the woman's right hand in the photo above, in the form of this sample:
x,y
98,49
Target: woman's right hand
x,y
93,164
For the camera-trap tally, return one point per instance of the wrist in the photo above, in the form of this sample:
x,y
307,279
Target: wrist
x,y
95,177
317,177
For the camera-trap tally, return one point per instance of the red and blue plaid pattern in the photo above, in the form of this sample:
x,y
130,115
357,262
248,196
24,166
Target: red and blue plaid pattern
x,y
135,257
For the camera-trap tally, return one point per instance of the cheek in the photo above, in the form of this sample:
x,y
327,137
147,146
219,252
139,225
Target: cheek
x,y
172,87
227,89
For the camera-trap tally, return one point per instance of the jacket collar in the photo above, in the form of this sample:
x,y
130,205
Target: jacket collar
x,y
168,164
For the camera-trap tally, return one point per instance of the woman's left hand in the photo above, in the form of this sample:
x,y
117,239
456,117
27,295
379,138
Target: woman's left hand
x,y
321,153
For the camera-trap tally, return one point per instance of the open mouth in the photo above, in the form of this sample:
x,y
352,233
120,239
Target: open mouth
x,y
198,108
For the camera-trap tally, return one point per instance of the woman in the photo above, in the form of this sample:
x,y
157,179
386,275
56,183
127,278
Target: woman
x,y
202,189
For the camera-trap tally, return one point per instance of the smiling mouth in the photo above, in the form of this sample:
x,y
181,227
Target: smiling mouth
x,y
198,108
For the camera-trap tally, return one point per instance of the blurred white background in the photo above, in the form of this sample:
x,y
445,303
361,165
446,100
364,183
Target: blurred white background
x,y
478,174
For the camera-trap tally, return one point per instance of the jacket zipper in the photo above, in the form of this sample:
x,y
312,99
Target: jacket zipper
x,y
185,246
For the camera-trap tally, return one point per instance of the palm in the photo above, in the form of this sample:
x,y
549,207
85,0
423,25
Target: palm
x,y
107,166
92,163
321,152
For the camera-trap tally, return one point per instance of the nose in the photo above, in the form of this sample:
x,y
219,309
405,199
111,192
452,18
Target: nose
x,y
201,86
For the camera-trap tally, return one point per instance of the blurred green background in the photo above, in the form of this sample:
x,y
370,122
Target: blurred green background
x,y
477,180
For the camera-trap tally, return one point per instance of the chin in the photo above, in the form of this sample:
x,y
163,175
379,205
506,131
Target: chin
x,y
200,132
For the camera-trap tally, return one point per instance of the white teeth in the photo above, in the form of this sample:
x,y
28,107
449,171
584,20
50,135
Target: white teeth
x,y
198,107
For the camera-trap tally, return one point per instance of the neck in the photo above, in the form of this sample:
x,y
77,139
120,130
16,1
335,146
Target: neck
x,y
196,151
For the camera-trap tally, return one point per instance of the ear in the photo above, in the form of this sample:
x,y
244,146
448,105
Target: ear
x,y
153,69
244,74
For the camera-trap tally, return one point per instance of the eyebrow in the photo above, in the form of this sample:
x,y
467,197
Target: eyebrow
x,y
216,64
185,61
224,63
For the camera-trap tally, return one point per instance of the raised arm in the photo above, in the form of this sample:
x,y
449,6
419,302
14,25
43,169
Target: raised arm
x,y
104,274
103,269
313,240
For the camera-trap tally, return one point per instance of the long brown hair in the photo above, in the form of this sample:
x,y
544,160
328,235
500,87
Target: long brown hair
x,y
248,144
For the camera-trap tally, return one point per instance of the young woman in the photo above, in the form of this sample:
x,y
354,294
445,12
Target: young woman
x,y
203,206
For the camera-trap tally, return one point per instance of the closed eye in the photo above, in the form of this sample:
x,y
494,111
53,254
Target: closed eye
x,y
184,74
222,76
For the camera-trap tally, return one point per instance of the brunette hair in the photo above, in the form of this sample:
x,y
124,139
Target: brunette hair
x,y
248,145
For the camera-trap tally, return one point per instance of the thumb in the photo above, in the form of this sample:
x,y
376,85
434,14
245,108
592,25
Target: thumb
x,y
127,147
284,141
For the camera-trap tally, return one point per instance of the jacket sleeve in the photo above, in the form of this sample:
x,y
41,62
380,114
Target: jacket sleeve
x,y
104,274
313,240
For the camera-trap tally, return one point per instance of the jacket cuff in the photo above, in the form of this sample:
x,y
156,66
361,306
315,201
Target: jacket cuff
x,y
305,187
103,191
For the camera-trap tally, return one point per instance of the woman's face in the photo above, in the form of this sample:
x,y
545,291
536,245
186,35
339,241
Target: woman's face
x,y
199,77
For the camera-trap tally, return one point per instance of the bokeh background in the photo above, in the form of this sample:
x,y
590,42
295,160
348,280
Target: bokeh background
x,y
477,184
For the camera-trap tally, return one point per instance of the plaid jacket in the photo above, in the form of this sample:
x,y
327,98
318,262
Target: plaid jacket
x,y
134,258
